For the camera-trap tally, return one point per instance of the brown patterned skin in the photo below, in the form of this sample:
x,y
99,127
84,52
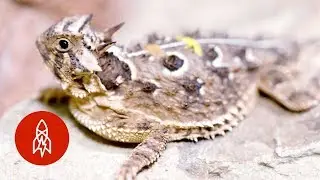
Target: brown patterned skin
x,y
135,96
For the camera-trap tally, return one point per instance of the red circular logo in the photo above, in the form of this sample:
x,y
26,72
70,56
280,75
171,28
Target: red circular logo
x,y
42,138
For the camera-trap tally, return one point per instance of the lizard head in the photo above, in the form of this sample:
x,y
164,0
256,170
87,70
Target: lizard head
x,y
70,48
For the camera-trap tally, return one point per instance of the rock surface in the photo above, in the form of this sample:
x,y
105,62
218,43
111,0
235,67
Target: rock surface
x,y
270,144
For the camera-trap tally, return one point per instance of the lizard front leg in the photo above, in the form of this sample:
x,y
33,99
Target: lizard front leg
x,y
53,95
90,84
143,155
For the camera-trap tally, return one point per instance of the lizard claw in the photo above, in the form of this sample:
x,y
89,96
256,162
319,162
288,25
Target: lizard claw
x,y
126,173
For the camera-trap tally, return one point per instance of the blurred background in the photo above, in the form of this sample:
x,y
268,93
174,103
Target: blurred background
x,y
23,74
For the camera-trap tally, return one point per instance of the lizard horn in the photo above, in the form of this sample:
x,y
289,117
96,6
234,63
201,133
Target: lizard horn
x,y
108,33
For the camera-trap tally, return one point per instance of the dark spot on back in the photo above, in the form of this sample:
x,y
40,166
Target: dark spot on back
x,y
125,66
112,67
241,53
211,54
222,72
148,87
173,62
192,86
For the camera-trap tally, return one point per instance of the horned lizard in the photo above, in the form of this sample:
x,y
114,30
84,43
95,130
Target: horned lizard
x,y
191,87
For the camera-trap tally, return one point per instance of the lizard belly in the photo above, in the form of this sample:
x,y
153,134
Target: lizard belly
x,y
107,124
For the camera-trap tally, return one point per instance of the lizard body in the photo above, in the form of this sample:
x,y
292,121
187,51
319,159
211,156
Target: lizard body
x,y
167,92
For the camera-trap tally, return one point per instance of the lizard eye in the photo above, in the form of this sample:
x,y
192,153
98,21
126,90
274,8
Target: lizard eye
x,y
63,45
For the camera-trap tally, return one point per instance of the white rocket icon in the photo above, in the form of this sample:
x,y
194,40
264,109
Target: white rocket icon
x,y
41,142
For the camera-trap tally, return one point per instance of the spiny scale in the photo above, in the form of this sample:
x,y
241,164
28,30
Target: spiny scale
x,y
138,96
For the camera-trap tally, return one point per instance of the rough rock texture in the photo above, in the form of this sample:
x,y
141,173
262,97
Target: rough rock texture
x,y
270,144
